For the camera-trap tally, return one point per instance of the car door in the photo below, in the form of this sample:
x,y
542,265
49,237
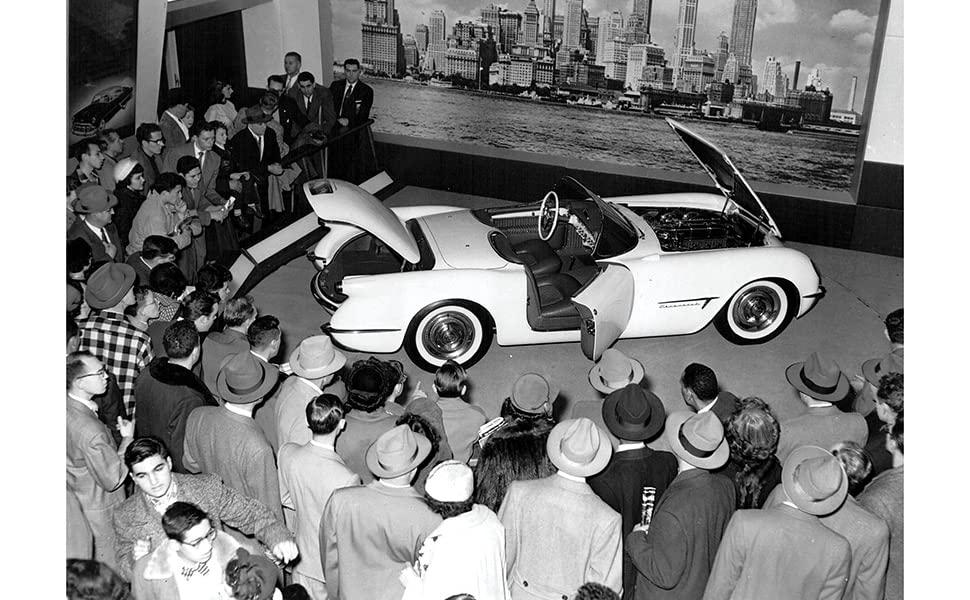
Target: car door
x,y
605,305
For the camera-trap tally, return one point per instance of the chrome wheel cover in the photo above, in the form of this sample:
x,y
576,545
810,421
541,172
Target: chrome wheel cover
x,y
756,309
448,335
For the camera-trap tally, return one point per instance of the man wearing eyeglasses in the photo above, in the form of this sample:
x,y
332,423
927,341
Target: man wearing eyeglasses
x,y
151,144
95,471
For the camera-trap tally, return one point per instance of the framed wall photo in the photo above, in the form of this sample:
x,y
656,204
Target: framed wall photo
x,y
102,51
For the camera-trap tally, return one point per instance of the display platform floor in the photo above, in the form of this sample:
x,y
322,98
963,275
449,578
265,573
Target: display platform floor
x,y
847,325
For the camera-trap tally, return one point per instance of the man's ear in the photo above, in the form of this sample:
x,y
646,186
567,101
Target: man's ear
x,y
168,461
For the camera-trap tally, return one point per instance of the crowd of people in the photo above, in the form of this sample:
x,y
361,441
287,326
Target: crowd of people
x,y
200,465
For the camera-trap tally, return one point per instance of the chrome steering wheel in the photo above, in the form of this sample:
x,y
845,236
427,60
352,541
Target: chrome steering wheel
x,y
548,214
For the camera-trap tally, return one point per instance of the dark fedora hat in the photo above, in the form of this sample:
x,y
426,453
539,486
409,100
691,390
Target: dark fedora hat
x,y
244,379
109,284
819,377
255,114
874,369
92,198
633,413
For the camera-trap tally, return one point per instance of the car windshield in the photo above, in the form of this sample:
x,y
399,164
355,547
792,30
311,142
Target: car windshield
x,y
613,233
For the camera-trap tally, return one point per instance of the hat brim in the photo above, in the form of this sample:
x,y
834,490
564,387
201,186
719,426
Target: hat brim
x,y
658,416
803,502
715,460
793,375
338,362
98,303
112,202
370,458
576,469
596,380
270,377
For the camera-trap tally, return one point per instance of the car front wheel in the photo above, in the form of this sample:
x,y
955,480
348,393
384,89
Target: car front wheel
x,y
449,330
757,312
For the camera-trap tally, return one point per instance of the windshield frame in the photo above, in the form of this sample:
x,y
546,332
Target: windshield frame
x,y
607,212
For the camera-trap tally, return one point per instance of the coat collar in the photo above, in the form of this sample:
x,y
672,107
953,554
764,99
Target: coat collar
x,y
171,374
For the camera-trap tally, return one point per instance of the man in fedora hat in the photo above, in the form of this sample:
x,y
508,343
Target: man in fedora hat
x,y
614,371
820,382
883,497
369,533
314,363
634,416
309,474
96,205
256,150
108,335
785,551
558,533
226,441
674,552
698,386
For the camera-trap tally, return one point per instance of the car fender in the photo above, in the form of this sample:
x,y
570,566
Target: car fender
x,y
379,308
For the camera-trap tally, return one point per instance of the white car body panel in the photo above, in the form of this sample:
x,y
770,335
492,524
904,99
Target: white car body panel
x,y
606,303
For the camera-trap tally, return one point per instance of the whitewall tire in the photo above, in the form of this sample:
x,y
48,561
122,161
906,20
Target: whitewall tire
x,y
757,312
451,329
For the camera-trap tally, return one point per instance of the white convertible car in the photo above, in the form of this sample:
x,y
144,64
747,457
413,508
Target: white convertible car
x,y
574,267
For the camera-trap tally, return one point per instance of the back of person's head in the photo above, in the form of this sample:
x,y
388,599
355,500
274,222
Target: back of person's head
x,y
186,164
890,391
174,96
251,576
370,382
752,434
84,147
179,518
212,277
78,255
142,297
215,91
324,413
295,591
76,366
180,339
595,591
419,424
263,331
276,79
450,380
894,326
144,448
145,131
701,380
239,310
752,431
167,279
166,182
449,489
196,304
305,76
158,245
93,580
268,102
856,462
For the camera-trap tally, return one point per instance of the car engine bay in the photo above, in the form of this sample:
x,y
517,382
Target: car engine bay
x,y
684,229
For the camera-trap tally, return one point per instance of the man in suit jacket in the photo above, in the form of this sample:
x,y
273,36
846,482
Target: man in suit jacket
x,y
820,383
95,473
698,386
785,551
238,314
170,121
168,391
314,363
377,529
309,475
138,521
558,533
883,497
674,552
634,416
95,205
352,98
255,149
314,103
226,441
151,146
200,147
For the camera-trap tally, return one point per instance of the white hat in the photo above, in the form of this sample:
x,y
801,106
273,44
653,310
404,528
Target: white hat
x,y
123,168
450,481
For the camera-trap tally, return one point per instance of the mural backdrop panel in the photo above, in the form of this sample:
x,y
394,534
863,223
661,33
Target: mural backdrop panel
x,y
101,56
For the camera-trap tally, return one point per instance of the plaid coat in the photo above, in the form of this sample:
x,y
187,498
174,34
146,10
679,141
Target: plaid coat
x,y
122,348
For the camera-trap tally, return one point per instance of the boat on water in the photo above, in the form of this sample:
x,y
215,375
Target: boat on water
x,y
440,83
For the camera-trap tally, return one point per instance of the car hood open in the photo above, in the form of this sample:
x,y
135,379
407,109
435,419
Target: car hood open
x,y
726,177
338,201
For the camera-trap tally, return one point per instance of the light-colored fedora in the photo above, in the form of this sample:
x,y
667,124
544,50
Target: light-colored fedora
x,y
396,452
814,480
316,357
698,439
579,447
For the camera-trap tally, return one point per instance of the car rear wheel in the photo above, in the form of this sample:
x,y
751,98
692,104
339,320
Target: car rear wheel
x,y
448,330
757,312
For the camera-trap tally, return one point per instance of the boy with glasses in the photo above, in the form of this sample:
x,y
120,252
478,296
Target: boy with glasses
x,y
151,144
95,471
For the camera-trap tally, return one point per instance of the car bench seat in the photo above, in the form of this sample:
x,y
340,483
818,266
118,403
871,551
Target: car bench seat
x,y
538,256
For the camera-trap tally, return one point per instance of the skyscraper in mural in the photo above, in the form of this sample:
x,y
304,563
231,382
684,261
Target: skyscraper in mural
x,y
572,23
643,8
684,37
531,32
548,21
382,47
742,29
